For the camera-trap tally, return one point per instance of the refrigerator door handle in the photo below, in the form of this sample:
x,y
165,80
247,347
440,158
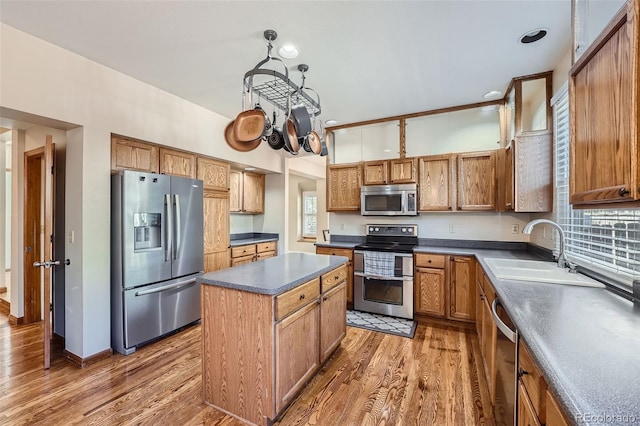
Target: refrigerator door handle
x,y
509,333
166,287
169,227
176,253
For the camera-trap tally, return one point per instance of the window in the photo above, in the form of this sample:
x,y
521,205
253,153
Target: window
x,y
605,241
309,214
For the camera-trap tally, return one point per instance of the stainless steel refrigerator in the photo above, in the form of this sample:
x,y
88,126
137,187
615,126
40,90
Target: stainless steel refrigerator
x,y
156,253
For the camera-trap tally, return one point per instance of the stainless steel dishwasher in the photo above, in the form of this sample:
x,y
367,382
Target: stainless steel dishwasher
x,y
506,365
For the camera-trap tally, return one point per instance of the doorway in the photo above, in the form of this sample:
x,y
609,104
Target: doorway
x,y
33,235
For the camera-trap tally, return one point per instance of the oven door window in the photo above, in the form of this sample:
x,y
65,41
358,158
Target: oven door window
x,y
382,291
383,203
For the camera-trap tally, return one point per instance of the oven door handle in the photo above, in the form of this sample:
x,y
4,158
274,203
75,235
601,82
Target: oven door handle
x,y
381,277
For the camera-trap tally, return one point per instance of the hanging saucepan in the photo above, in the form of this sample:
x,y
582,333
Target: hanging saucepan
x,y
236,144
312,141
291,144
276,138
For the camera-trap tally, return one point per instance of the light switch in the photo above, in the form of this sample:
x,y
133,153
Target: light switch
x,y
72,237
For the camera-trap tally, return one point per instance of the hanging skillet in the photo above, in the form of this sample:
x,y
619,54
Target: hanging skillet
x,y
276,139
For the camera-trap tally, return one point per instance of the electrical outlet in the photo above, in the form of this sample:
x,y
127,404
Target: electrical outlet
x,y
515,228
452,229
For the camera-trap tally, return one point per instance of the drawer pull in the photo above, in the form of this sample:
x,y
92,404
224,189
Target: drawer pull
x,y
336,277
623,192
429,261
302,296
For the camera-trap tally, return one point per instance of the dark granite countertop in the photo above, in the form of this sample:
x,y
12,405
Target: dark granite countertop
x,y
274,275
252,238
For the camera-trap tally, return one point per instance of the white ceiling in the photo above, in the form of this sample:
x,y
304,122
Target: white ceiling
x,y
367,59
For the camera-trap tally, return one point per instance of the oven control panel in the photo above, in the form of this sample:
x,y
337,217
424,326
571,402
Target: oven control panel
x,y
410,230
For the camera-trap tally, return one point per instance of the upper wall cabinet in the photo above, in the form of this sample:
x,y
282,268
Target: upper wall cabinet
x,y
379,141
343,187
246,192
604,89
397,171
130,154
527,105
214,174
177,163
477,181
437,182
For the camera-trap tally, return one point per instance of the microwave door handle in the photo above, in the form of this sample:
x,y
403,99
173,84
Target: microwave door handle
x,y
168,232
176,254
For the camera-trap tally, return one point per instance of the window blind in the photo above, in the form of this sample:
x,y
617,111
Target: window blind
x,y
309,214
606,241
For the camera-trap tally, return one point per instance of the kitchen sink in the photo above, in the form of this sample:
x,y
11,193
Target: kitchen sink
x,y
537,271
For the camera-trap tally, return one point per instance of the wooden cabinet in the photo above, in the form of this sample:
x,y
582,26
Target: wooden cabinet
x,y
526,413
213,173
177,163
604,88
532,381
385,172
463,289
528,173
444,286
343,187
130,154
247,192
486,328
436,182
349,271
333,319
554,415
253,252
216,229
477,181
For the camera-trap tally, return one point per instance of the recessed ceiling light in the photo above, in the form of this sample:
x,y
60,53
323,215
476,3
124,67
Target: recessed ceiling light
x,y
331,122
386,150
492,94
533,35
249,169
489,108
288,51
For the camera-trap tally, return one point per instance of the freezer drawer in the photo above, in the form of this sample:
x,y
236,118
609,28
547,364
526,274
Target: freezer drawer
x,y
154,310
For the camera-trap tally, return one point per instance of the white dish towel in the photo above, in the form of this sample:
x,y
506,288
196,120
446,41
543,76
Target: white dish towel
x,y
379,263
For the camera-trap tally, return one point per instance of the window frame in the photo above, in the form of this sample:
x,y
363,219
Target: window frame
x,y
307,236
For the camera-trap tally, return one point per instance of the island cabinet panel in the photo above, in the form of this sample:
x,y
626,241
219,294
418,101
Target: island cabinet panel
x,y
604,86
292,300
230,370
343,187
128,154
177,163
436,182
334,323
477,181
214,174
297,352
333,251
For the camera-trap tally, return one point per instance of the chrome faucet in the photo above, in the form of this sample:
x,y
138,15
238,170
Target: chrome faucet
x,y
562,260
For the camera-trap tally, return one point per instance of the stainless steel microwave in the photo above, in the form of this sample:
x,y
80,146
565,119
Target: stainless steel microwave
x,y
389,200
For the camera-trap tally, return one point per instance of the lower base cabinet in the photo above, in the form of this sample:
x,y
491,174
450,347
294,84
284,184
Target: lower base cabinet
x,y
346,253
266,348
253,252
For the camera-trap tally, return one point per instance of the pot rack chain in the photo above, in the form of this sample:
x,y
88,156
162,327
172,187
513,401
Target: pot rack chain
x,y
278,89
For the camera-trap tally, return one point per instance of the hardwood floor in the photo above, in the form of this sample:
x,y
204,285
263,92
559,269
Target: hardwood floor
x,y
372,379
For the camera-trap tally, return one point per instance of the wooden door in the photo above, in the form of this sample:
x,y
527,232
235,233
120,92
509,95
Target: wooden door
x,y
375,173
128,154
333,319
429,288
462,287
235,191
477,181
216,230
297,352
177,163
253,193
214,174
403,170
343,187
436,182
526,414
49,173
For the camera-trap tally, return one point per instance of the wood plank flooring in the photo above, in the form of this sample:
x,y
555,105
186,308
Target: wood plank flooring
x,y
372,379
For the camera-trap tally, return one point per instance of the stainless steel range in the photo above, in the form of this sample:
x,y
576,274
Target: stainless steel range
x,y
383,270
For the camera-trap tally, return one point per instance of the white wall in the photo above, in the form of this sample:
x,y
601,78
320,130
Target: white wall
x,y
241,223
39,78
275,212
297,184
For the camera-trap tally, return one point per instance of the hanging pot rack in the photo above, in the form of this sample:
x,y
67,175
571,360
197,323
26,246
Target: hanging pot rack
x,y
279,90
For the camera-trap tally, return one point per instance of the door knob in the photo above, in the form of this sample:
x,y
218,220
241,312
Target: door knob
x,y
50,263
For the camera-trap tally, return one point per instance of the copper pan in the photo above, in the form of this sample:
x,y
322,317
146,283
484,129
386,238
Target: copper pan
x,y
291,143
250,125
236,144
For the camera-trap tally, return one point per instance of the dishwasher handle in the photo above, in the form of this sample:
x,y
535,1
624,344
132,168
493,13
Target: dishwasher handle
x,y
509,333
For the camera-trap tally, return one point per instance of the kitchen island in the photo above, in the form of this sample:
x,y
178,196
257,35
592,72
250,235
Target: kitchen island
x,y
267,327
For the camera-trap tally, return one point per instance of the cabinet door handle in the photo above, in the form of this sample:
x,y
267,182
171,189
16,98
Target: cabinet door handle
x,y
302,296
522,372
623,191
429,261
336,277
324,299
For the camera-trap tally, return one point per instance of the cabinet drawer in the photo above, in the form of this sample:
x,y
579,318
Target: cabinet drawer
x,y
335,252
291,300
266,255
268,246
243,251
430,260
532,380
333,278
242,260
